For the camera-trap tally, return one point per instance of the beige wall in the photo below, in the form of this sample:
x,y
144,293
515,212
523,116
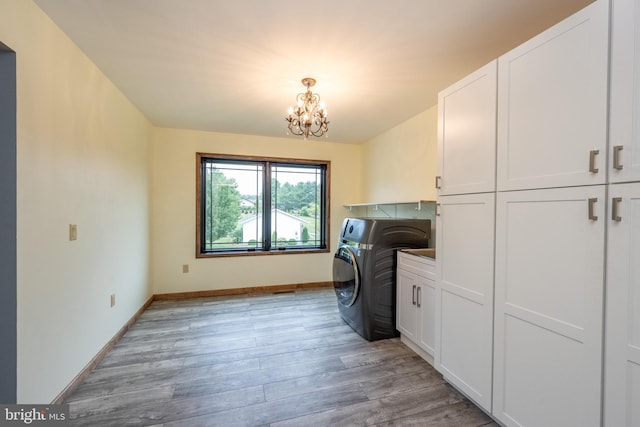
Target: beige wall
x,y
173,211
400,164
81,159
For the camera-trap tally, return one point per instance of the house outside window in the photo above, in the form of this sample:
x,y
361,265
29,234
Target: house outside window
x,y
250,206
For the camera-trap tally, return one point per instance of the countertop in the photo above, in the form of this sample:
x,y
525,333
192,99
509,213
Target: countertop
x,y
423,252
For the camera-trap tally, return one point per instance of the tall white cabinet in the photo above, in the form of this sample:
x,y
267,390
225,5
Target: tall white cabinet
x,y
464,237
541,293
622,337
549,287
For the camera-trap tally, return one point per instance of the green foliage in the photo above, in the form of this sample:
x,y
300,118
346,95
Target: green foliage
x,y
292,242
237,235
305,235
313,209
222,205
292,198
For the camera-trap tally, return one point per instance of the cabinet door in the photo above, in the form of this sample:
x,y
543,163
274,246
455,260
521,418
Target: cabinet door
x,y
624,128
406,312
622,369
552,105
426,301
549,307
467,134
464,293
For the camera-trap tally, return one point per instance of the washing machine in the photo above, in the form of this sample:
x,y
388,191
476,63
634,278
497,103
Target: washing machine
x,y
364,271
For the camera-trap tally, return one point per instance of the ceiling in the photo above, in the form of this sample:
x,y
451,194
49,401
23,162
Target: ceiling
x,y
235,66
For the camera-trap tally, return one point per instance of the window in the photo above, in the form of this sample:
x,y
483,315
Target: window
x,y
249,205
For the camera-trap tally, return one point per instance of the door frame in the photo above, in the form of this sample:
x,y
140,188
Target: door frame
x,y
8,223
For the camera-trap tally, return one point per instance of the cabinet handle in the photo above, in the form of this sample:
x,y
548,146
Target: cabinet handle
x,y
616,157
592,203
438,182
413,295
437,209
592,161
419,297
615,209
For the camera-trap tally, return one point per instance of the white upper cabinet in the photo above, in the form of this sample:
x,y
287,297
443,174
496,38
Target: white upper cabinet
x,y
467,134
624,127
549,286
552,105
622,356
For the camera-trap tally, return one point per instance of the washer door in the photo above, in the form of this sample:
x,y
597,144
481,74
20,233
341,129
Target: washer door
x,y
346,278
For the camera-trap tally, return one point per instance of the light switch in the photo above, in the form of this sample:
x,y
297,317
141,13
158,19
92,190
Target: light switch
x,y
73,232
185,268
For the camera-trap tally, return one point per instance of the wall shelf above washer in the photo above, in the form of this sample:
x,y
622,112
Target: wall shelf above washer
x,y
410,209
419,204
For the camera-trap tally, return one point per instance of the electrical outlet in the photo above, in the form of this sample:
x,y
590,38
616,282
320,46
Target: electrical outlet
x,y
185,268
113,300
73,232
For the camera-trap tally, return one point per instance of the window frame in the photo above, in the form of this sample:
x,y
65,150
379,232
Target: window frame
x,y
325,216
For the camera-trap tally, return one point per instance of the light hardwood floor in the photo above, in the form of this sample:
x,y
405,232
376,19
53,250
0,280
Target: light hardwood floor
x,y
283,359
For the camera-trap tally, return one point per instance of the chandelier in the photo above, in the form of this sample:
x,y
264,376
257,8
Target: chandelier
x,y
309,116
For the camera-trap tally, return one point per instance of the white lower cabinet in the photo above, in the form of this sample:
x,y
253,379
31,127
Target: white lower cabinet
x,y
622,350
549,307
464,293
415,310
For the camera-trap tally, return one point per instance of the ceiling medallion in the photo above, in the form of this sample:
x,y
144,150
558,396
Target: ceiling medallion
x,y
309,116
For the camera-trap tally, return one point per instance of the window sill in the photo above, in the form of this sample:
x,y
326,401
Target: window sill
x,y
259,253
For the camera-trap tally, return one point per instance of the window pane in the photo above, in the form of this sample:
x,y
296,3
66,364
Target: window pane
x,y
296,206
232,200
